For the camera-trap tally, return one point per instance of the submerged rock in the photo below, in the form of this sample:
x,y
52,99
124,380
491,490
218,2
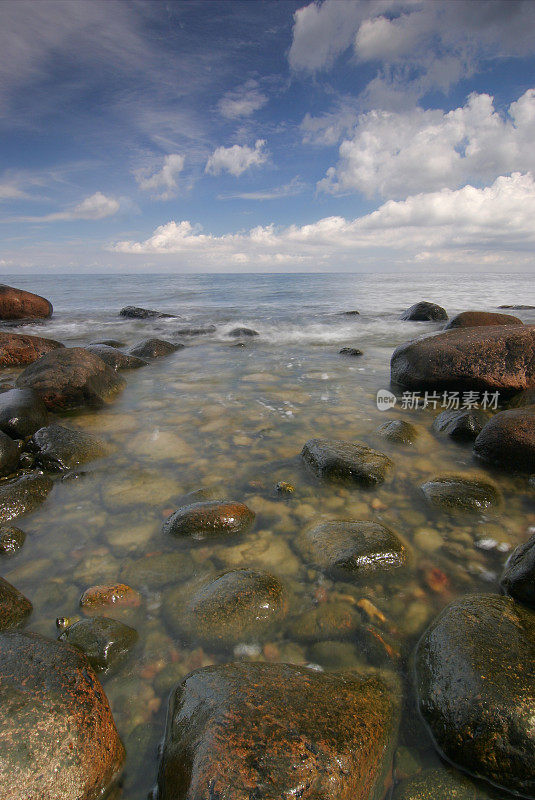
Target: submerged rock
x,y
19,304
154,348
22,412
508,440
424,312
336,460
59,448
235,607
23,495
518,579
188,330
114,358
472,319
9,455
236,333
245,731
330,620
350,351
71,378
475,680
135,312
462,425
11,540
398,431
208,519
105,642
58,735
109,343
436,784
19,349
114,594
453,492
154,571
14,607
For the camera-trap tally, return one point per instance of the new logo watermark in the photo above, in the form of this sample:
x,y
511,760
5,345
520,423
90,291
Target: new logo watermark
x,y
385,400
450,401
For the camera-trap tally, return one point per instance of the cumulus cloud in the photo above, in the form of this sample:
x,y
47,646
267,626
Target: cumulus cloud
x,y
95,207
393,154
162,184
323,31
236,159
243,101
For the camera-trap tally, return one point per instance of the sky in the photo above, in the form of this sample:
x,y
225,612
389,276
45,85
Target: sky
x,y
267,136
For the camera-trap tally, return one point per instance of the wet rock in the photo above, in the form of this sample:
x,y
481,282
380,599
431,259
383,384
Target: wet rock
x,y
520,400
398,431
518,579
346,461
59,448
105,642
18,304
518,308
22,412
237,606
9,455
115,359
494,358
350,351
350,313
188,330
436,784
57,732
330,620
283,487
275,730
11,540
108,343
452,492
508,440
135,312
14,607
19,349
71,378
155,571
236,333
154,348
462,425
110,595
475,679
358,547
23,495
424,312
472,319
331,654
209,519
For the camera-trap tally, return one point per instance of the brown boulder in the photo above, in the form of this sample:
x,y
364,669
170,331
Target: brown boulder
x,y
58,738
14,607
115,594
71,378
508,440
213,518
18,304
19,349
269,731
495,358
474,319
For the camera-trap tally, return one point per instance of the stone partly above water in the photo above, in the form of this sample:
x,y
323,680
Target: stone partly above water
x,y
17,349
209,519
135,312
115,359
59,448
350,351
475,680
495,358
473,319
154,348
14,608
19,304
462,424
57,734
424,312
9,455
71,378
237,606
453,492
518,578
105,642
508,440
358,547
22,412
268,731
398,431
351,462
22,495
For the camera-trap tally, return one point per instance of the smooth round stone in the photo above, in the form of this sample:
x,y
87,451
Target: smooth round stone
x,y
472,319
463,494
462,424
59,448
114,358
436,784
22,412
22,495
105,642
113,594
154,348
508,440
236,606
350,462
518,579
330,620
14,607
11,540
209,519
398,431
424,312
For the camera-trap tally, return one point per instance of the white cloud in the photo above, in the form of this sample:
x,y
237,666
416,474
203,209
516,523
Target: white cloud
x,y
468,225
162,184
393,154
8,191
322,32
243,101
287,190
95,207
236,159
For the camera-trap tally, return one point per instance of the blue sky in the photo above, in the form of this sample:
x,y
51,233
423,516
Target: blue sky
x,y
266,135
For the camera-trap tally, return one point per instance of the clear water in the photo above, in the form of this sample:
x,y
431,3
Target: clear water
x,y
234,420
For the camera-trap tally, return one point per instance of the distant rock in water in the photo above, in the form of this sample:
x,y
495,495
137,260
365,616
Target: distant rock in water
x,y
508,440
208,519
188,330
519,308
114,358
22,412
350,313
474,319
19,496
350,351
518,578
108,343
463,424
154,348
59,448
398,431
19,349
346,461
19,304
237,332
14,607
424,312
135,312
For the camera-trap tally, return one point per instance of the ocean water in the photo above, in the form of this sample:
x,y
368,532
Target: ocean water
x,y
231,420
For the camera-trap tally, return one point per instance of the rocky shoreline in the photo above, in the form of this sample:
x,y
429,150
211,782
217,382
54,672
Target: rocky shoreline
x,y
272,730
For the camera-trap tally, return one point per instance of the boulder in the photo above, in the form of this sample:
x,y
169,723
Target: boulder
x,y
350,351
104,642
19,349
18,304
398,431
269,731
14,607
473,319
9,455
22,412
209,519
350,462
475,681
58,448
23,495
71,378
58,736
154,348
424,312
114,358
459,493
508,440
462,424
11,540
494,358
237,606
188,330
518,578
135,312
237,333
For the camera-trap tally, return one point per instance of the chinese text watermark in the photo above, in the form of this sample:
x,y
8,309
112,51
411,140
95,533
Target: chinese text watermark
x,y
449,401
